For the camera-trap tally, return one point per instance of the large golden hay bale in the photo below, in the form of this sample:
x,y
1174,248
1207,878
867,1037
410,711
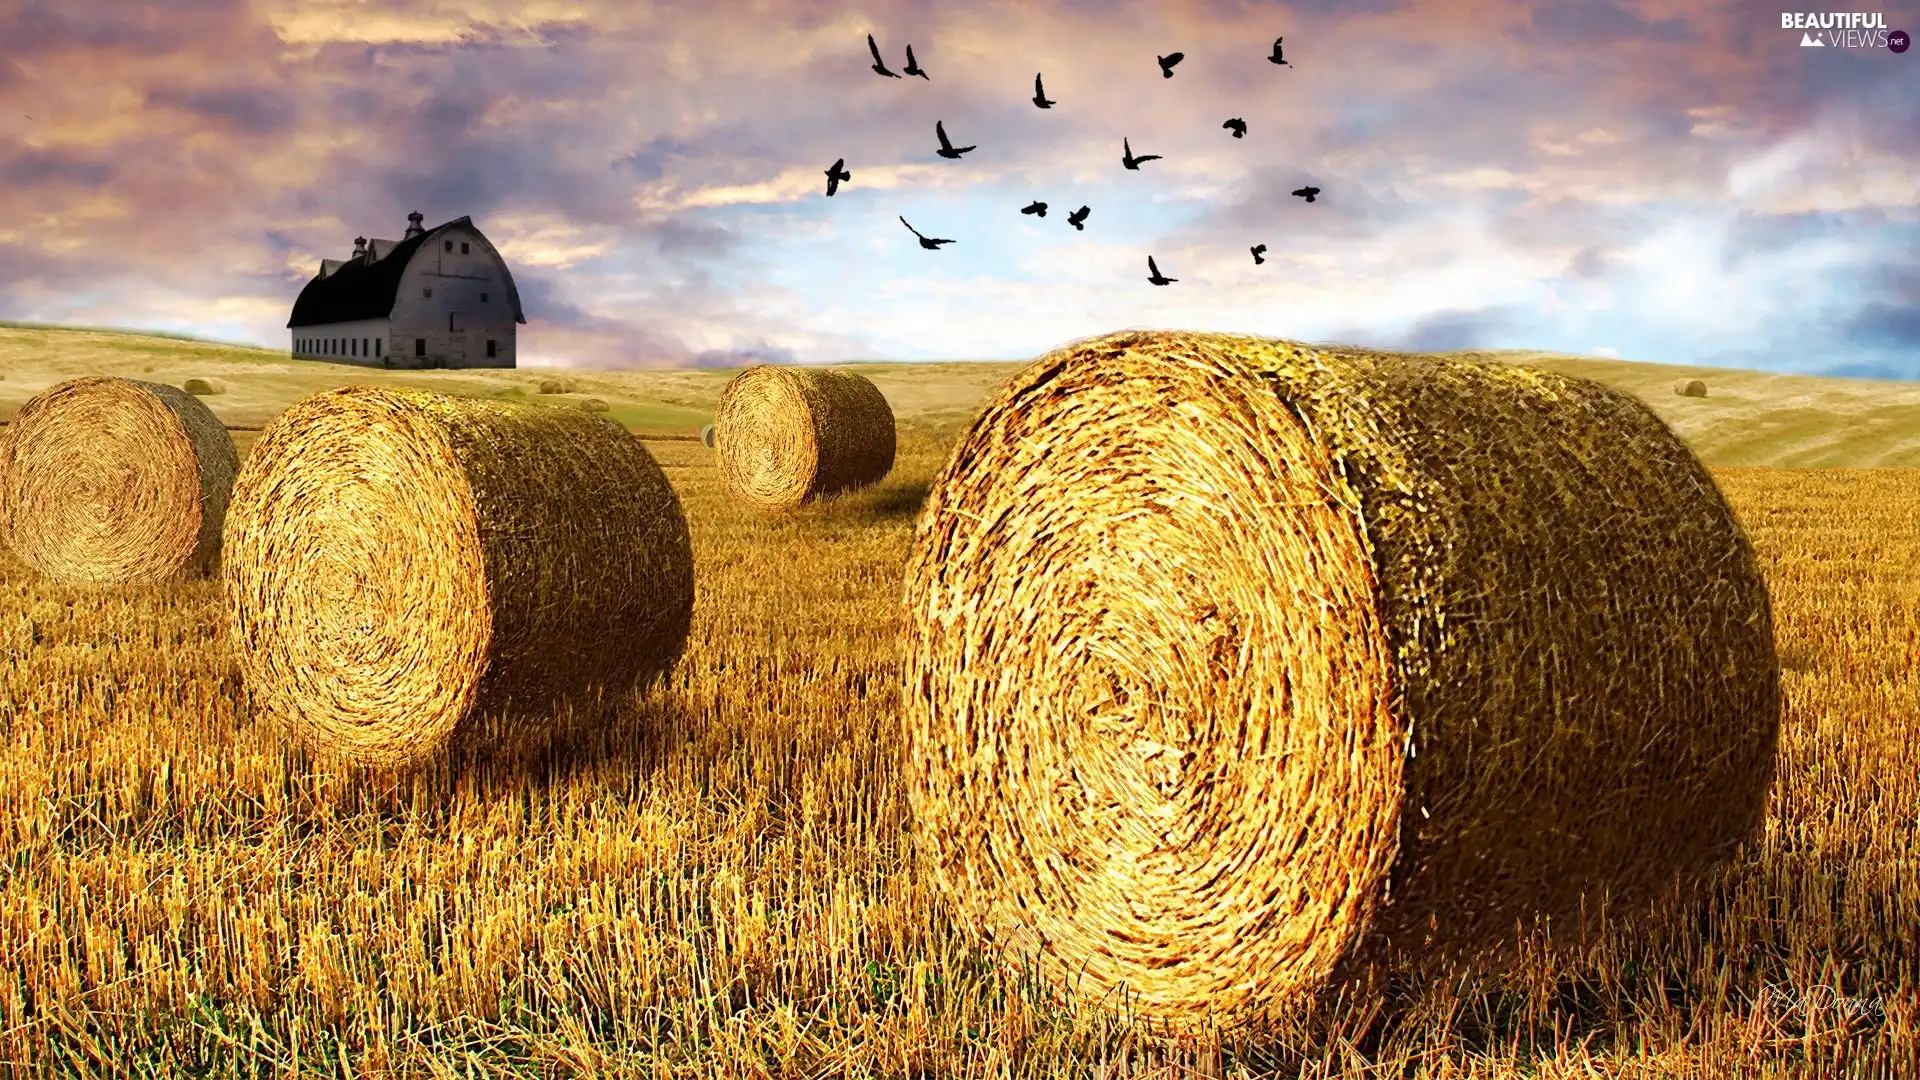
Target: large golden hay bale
x,y
401,564
787,436
1232,666
110,480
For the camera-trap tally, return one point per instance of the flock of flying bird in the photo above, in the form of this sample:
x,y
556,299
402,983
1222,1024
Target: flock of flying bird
x,y
838,174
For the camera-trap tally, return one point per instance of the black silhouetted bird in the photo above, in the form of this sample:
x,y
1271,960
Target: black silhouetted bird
x,y
836,174
1078,218
929,243
1276,57
1132,162
947,149
879,65
1040,95
913,66
1036,207
1237,126
1156,277
1167,62
1307,193
1258,258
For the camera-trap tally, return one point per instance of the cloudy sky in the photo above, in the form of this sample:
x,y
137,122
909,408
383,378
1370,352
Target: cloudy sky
x,y
1666,180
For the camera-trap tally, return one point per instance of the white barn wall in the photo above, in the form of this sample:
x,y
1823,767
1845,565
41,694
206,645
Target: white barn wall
x,y
363,330
458,282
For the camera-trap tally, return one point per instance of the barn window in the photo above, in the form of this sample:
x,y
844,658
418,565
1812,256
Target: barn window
x,y
490,350
426,294
449,245
353,347
463,248
483,298
419,346
376,346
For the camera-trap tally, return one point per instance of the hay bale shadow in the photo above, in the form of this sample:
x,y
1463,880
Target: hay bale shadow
x,y
547,743
900,501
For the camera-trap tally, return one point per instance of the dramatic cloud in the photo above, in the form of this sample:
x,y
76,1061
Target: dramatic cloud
x,y
1654,179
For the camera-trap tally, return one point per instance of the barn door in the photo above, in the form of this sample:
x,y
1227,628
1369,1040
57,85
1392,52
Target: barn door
x,y
456,339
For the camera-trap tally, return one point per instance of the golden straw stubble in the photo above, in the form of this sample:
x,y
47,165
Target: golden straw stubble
x,y
115,481
401,564
787,436
1232,665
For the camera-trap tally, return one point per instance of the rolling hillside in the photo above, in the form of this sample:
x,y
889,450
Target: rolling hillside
x,y
1748,417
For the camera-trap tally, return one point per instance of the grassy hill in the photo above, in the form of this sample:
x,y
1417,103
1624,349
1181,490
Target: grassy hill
x,y
1748,417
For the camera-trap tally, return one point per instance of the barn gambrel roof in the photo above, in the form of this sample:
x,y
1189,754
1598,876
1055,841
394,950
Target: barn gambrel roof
x,y
362,290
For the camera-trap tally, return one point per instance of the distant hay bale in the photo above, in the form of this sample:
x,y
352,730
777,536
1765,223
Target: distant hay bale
x,y
115,481
403,566
558,385
706,436
1690,388
1213,644
787,436
204,387
594,404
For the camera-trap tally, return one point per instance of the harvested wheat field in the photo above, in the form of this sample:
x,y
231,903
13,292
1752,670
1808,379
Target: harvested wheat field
x,y
111,481
718,880
1230,662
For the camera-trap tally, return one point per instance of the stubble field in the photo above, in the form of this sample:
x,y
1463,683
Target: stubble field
x,y
715,878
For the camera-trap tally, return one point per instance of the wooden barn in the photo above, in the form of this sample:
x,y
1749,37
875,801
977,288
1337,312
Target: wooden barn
x,y
438,298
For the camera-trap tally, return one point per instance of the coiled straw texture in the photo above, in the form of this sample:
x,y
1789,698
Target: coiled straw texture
x,y
116,481
1233,665
403,565
787,436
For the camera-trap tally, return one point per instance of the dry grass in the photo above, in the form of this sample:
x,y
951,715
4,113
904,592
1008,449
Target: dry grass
x,y
724,888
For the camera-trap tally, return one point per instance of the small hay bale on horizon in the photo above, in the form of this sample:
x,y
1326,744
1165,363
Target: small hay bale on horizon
x,y
559,384
409,571
706,436
594,404
1690,387
107,480
788,436
204,387
1236,672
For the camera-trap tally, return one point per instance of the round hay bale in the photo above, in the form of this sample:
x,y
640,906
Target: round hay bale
x,y
1690,388
403,565
107,480
558,385
1233,666
594,404
706,436
787,436
204,387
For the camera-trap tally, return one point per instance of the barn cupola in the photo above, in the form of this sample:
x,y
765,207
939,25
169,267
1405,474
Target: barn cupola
x,y
360,247
413,225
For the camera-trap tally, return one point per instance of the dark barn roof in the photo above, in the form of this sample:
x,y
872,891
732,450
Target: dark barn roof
x,y
361,290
